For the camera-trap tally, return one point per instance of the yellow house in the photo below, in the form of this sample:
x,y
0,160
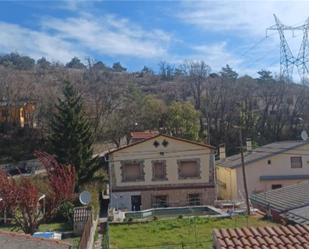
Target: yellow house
x,y
161,171
20,114
268,167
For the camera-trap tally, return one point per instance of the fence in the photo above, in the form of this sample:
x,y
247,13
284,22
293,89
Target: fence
x,y
86,233
193,245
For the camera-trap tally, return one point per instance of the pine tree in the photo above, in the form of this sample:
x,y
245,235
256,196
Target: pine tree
x,y
71,137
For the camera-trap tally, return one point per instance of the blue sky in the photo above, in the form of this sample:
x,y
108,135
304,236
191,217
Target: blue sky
x,y
139,33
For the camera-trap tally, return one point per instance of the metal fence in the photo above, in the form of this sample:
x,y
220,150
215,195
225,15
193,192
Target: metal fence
x,y
86,233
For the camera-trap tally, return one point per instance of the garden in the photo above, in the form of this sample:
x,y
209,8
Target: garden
x,y
45,202
189,233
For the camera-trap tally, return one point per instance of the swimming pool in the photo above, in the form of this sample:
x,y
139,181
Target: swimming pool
x,y
47,235
175,211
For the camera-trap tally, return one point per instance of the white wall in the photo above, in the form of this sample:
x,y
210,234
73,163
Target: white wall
x,y
280,165
122,200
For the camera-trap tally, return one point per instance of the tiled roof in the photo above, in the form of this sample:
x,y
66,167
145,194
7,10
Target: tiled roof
x,y
10,240
143,134
283,199
260,153
298,215
277,237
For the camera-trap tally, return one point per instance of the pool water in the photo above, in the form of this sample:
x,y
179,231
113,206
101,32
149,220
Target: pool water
x,y
47,235
174,212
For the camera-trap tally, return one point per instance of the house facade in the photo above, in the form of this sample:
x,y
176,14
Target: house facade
x,y
268,167
161,171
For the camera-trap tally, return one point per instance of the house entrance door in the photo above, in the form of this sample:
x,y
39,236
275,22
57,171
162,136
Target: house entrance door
x,y
136,202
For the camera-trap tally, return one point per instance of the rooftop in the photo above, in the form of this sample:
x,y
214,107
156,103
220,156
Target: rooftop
x,y
10,240
260,153
143,134
154,137
282,237
283,199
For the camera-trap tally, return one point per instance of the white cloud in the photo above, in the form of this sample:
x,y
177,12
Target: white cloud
x,y
217,55
243,25
110,35
252,17
35,44
61,39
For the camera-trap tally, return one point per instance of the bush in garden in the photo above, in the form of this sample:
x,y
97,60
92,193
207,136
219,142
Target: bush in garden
x,y
21,200
21,197
61,179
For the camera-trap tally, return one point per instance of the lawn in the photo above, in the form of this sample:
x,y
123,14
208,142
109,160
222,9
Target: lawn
x,y
161,233
57,226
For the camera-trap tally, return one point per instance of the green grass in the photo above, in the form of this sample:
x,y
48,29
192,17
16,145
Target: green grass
x,y
174,231
6,228
59,227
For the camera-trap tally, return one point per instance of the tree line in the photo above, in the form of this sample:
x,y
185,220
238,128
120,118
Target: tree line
x,y
187,100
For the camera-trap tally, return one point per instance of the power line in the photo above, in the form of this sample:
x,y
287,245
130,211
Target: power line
x,y
253,46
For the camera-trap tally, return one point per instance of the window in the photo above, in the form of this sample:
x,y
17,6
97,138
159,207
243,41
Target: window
x,y
159,170
189,168
132,171
194,199
159,201
296,162
276,186
269,162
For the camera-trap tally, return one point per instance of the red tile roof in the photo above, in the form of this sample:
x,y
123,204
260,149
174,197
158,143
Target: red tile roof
x,y
282,237
143,134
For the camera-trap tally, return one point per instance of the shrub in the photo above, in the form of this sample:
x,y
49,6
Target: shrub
x,y
66,210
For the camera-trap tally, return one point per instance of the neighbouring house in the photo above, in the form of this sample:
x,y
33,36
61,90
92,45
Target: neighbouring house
x,y
267,167
161,171
20,114
137,136
11,240
290,203
281,237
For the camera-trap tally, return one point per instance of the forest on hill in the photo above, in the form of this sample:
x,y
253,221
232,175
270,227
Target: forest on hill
x,y
187,100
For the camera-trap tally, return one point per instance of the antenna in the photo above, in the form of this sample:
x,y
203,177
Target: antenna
x,y
304,135
85,198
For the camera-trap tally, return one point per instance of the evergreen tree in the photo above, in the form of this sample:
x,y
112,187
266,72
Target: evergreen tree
x,y
72,137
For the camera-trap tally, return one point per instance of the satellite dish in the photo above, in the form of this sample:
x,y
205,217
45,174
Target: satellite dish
x,y
304,135
85,197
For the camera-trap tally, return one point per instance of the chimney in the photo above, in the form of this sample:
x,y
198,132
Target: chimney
x,y
249,144
222,154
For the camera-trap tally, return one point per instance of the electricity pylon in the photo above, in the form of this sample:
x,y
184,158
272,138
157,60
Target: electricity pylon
x,y
302,60
287,60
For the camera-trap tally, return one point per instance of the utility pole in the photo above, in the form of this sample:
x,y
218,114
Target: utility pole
x,y
244,170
